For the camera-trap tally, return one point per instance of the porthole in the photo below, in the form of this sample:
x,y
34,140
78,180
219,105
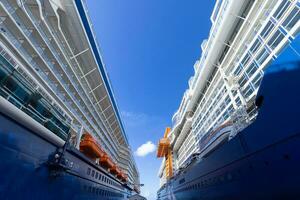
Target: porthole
x,y
266,163
286,156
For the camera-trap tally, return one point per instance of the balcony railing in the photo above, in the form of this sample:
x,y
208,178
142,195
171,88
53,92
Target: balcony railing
x,y
52,68
19,92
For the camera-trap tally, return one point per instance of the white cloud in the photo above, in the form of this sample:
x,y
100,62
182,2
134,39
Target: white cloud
x,y
133,119
145,149
146,193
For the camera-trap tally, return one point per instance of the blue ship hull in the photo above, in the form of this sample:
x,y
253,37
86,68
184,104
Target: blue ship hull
x,y
262,161
26,173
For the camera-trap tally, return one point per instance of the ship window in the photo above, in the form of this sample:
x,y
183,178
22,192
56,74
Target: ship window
x,y
252,69
99,177
248,91
238,101
96,175
181,181
255,46
292,19
276,39
282,8
262,56
227,99
246,59
256,81
88,171
243,80
268,28
93,173
234,93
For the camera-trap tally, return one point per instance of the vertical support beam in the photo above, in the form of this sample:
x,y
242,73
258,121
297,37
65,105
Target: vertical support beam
x,y
169,164
228,88
79,136
167,131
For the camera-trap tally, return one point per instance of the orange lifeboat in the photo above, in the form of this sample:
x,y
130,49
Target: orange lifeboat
x,y
90,148
120,175
115,170
106,161
124,178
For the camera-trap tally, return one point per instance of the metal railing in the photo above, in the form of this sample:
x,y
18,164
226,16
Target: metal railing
x,y
40,51
19,92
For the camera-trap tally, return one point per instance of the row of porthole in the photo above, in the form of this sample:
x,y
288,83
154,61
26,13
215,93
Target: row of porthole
x,y
222,178
212,181
101,192
208,182
100,177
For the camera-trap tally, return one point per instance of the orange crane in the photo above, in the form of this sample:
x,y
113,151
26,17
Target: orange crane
x,y
164,150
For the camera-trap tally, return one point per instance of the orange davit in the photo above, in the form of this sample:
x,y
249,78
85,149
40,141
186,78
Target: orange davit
x,y
163,147
164,144
164,150
90,148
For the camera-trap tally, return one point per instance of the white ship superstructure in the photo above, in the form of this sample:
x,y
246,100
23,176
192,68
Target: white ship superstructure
x,y
51,43
244,38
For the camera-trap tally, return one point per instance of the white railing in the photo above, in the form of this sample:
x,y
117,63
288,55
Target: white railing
x,y
49,63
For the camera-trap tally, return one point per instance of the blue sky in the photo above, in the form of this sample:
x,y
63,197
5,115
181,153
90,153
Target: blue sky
x,y
149,49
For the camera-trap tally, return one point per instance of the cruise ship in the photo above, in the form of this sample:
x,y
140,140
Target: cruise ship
x,y
236,133
61,133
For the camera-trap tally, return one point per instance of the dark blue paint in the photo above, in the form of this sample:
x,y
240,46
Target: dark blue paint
x,y
25,173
